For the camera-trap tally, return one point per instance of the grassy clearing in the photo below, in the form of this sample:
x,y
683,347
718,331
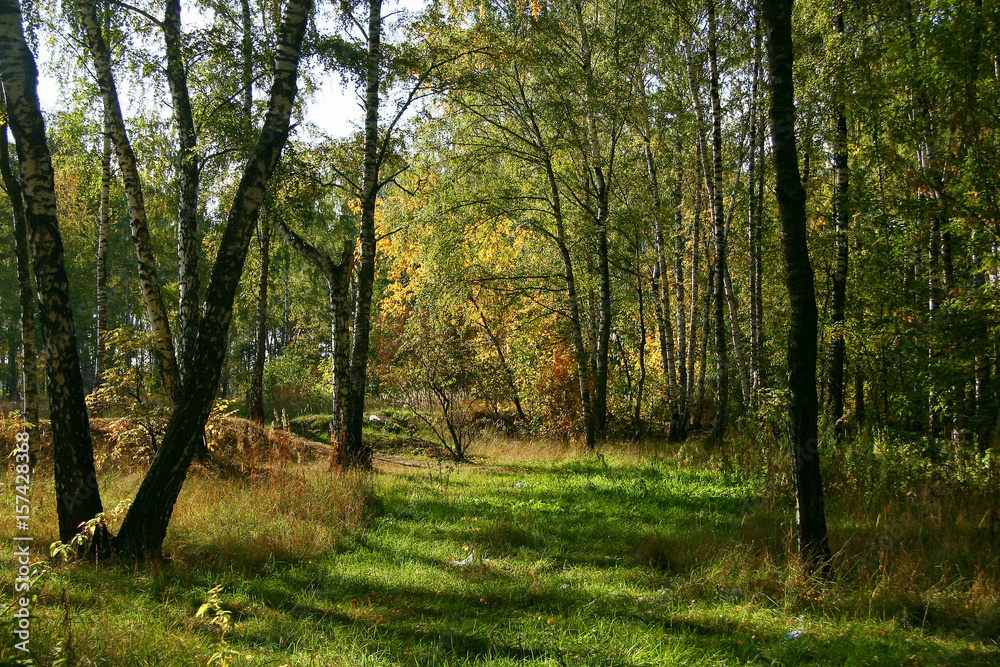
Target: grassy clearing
x,y
574,561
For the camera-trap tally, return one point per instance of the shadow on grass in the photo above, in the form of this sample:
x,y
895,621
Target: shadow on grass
x,y
560,546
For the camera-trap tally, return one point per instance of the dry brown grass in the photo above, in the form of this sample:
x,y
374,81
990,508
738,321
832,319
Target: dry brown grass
x,y
238,446
501,448
267,494
296,512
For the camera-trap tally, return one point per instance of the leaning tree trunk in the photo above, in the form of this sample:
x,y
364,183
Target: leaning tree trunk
x,y
803,405
145,525
149,284
356,453
835,371
103,224
255,395
661,291
29,368
573,303
189,174
77,497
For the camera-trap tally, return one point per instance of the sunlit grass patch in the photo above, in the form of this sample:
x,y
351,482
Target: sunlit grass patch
x,y
630,560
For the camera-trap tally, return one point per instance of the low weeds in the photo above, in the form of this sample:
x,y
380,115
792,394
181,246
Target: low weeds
x,y
915,539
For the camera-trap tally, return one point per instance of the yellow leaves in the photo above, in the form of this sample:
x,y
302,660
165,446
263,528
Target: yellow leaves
x,y
536,9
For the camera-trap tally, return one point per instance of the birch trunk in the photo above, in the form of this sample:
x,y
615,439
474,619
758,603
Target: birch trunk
x,y
682,371
145,525
705,329
356,453
692,350
803,405
77,496
753,223
103,225
189,174
247,56
760,370
339,294
149,284
338,278
661,288
737,332
573,303
255,395
721,419
594,158
26,294
835,369
641,380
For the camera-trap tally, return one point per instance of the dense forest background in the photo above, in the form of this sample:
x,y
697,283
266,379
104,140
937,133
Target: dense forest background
x,y
570,221
560,190
477,244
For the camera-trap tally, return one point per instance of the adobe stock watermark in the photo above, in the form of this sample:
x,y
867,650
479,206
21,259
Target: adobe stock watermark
x,y
805,454
22,541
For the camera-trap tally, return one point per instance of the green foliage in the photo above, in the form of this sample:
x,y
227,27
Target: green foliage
x,y
130,391
438,373
298,380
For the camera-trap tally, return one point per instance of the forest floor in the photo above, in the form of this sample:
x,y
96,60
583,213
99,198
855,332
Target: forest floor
x,y
561,560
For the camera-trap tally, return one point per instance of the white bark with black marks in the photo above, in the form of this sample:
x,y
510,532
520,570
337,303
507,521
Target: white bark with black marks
x,y
77,496
145,525
156,310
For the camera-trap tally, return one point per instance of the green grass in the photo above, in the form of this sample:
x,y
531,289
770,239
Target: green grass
x,y
638,563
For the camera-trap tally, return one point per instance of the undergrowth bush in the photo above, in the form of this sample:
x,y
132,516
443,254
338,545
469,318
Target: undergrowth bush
x,y
914,537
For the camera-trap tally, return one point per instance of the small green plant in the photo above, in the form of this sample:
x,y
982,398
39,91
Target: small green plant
x,y
212,614
441,477
80,544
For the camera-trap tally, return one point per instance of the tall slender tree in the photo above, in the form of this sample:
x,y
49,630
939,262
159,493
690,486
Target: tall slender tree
x,y
189,175
103,228
255,394
803,405
721,420
77,497
337,274
356,453
26,293
156,309
838,291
